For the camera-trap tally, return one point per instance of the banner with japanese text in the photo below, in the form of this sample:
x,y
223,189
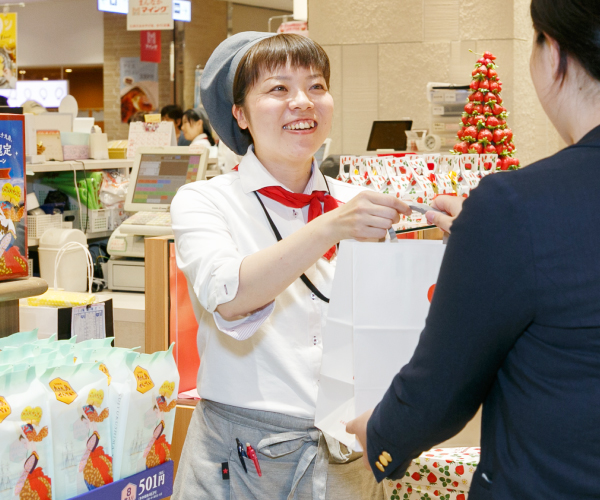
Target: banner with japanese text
x,y
150,50
8,51
13,214
150,15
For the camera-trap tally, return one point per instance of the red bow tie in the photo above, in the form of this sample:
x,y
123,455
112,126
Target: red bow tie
x,y
298,200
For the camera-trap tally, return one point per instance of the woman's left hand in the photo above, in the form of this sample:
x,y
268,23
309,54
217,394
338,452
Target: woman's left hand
x,y
358,427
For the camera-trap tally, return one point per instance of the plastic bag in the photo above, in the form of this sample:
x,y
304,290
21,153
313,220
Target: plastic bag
x,y
113,189
81,429
25,436
118,365
151,418
18,339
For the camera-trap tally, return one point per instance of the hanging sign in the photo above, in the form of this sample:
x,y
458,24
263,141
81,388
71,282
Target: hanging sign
x,y
8,51
150,15
150,46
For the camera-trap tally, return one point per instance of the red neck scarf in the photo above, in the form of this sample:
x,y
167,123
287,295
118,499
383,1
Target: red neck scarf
x,y
298,200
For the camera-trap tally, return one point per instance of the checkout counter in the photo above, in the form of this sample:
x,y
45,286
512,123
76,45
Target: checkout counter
x,y
156,176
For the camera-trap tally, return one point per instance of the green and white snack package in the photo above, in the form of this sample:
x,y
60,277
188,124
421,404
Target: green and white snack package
x,y
94,344
81,429
18,339
118,365
151,415
26,459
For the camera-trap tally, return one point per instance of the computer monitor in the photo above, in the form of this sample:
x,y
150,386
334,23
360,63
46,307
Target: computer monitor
x,y
157,175
389,135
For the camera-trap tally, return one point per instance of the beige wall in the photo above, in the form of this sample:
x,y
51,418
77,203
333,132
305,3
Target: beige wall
x,y
118,42
207,30
248,18
383,53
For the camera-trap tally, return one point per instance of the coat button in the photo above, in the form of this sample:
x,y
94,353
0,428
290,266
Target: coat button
x,y
380,467
387,456
383,461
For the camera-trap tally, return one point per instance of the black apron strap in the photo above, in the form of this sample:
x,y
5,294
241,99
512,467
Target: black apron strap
x,y
303,277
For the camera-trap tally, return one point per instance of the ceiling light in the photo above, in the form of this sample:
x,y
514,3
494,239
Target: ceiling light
x,y
45,78
22,72
68,70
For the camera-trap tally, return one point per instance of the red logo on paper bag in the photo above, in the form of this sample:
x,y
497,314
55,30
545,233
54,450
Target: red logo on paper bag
x,y
430,292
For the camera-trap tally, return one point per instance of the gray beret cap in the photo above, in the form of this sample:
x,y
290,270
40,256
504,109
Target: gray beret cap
x,y
216,87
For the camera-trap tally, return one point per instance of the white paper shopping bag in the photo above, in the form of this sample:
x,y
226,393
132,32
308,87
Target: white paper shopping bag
x,y
379,302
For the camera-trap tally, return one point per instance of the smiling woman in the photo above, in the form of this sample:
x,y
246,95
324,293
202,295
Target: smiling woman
x,y
258,248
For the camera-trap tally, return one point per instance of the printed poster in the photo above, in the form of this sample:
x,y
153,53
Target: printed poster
x,y
8,51
13,217
139,88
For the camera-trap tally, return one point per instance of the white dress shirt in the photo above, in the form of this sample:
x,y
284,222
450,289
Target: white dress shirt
x,y
269,360
202,140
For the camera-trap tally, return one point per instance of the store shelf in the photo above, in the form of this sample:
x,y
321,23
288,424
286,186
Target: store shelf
x,y
34,242
61,166
151,484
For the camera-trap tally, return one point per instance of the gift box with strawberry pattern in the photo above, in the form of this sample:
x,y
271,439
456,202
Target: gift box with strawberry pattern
x,y
441,473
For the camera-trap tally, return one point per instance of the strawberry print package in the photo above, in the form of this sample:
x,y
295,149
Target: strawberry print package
x,y
374,174
80,427
151,418
439,473
399,177
345,168
467,178
26,470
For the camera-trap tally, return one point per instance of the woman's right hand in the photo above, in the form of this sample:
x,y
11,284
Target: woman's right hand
x,y
366,217
452,205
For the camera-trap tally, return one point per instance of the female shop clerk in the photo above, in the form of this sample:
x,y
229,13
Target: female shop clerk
x,y
516,325
261,304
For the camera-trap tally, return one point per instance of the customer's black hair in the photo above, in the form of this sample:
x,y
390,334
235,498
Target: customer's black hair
x,y
173,111
193,116
575,25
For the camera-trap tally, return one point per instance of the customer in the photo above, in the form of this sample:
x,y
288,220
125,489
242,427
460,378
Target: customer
x,y
261,304
173,113
196,127
515,320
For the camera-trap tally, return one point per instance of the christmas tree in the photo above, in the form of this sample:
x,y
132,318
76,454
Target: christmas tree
x,y
483,128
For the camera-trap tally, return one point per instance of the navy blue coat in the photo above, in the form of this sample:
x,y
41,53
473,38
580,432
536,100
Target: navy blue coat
x,y
514,325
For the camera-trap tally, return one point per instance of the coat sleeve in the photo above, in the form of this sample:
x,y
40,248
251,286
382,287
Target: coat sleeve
x,y
484,300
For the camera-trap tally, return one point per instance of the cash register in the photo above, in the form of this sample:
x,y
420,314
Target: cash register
x,y
156,176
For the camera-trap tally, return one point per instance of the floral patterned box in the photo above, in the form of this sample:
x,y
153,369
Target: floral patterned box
x,y
444,473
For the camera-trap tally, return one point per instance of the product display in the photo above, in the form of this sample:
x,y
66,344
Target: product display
x,y
82,448
67,411
150,426
483,128
26,461
418,178
444,473
18,339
